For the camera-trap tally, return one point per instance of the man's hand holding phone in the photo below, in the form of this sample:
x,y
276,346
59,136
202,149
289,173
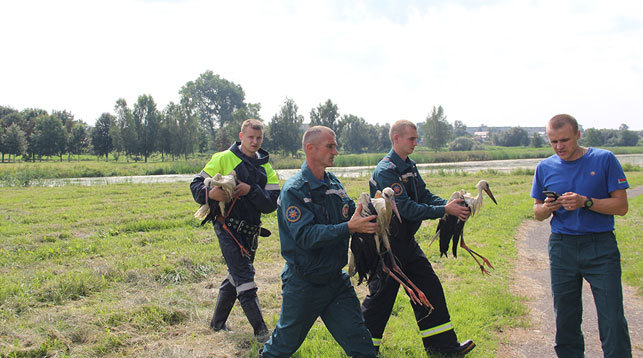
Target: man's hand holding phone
x,y
551,200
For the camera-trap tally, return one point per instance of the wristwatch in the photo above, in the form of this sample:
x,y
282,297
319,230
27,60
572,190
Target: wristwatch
x,y
588,203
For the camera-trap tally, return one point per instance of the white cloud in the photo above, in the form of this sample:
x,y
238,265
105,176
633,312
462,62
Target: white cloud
x,y
498,63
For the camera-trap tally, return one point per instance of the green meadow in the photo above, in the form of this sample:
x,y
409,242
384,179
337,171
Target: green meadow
x,y
126,270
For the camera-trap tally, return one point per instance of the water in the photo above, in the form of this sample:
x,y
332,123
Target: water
x,y
346,172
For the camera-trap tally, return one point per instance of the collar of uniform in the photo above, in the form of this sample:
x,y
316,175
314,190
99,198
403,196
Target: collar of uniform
x,y
311,178
401,164
260,159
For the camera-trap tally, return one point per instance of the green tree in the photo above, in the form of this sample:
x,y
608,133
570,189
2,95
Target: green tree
x,y
216,99
147,115
381,142
49,136
459,129
285,127
355,136
437,131
536,140
78,139
513,137
29,115
101,141
592,137
462,144
627,137
188,125
14,141
326,114
4,110
129,132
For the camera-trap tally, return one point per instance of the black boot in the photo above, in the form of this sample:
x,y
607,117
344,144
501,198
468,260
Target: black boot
x,y
251,308
453,351
225,302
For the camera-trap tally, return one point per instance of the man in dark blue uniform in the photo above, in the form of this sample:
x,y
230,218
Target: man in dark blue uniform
x,y
258,191
415,203
582,245
315,219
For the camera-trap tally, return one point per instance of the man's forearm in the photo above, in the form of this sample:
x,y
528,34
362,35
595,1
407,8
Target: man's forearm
x,y
541,212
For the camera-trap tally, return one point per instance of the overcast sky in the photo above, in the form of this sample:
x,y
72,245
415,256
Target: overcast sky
x,y
498,63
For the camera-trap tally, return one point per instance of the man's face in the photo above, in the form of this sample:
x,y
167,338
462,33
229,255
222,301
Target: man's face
x,y
325,150
251,140
564,141
406,141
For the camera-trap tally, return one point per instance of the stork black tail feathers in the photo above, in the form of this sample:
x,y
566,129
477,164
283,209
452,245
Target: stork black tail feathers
x,y
448,228
364,254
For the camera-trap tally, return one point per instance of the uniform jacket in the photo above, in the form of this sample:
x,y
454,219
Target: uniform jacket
x,y
313,226
256,172
414,201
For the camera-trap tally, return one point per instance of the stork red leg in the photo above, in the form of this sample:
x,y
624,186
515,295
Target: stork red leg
x,y
415,293
471,252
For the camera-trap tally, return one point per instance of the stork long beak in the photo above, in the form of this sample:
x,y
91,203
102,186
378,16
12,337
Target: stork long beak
x,y
488,191
394,207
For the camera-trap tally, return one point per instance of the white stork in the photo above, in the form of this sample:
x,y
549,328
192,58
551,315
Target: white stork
x,y
450,227
368,250
227,183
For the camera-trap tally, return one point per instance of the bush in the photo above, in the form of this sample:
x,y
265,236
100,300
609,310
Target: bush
x,y
461,144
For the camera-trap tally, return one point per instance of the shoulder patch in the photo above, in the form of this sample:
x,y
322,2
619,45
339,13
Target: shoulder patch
x,y
397,188
293,214
345,211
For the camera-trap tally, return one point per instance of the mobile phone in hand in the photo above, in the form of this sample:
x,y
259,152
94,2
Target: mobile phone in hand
x,y
551,194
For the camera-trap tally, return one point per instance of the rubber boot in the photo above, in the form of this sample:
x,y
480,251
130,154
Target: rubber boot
x,y
225,302
251,308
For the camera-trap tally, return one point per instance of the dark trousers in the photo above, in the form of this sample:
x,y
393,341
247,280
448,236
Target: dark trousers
x,y
436,328
337,305
241,272
595,258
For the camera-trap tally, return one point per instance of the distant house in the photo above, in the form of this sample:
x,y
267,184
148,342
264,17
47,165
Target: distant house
x,y
481,135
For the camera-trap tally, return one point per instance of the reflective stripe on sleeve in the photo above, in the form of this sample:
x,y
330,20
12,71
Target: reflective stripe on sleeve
x,y
377,341
271,187
204,175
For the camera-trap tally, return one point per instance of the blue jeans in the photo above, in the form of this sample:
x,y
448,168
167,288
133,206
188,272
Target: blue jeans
x,y
594,257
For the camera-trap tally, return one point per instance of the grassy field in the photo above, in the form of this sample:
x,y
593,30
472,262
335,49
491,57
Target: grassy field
x,y
125,270
27,173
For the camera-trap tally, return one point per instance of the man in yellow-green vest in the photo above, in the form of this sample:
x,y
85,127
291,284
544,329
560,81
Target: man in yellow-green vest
x,y
238,228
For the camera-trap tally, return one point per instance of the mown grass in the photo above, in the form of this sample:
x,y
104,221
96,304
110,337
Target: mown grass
x,y
125,270
27,173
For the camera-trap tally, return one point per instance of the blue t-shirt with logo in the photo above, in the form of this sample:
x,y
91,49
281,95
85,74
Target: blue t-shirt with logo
x,y
595,174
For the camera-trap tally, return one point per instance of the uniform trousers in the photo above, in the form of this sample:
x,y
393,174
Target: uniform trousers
x,y
435,328
303,302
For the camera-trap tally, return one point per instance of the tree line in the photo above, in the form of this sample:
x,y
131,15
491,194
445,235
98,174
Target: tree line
x,y
207,117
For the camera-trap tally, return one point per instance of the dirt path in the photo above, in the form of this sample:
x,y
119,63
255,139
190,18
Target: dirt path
x,y
531,280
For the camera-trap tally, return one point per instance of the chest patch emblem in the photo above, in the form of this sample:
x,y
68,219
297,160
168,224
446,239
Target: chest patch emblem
x,y
397,189
345,211
592,173
293,214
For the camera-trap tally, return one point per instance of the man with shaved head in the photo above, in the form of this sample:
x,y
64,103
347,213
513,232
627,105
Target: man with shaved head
x,y
316,217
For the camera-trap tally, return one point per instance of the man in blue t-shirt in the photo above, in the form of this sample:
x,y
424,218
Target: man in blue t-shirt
x,y
582,189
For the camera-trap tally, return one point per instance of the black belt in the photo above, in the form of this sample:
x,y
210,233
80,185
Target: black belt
x,y
242,227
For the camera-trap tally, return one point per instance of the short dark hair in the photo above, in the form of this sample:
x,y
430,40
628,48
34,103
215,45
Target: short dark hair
x,y
560,120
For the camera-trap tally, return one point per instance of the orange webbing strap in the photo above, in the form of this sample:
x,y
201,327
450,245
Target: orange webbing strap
x,y
221,218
